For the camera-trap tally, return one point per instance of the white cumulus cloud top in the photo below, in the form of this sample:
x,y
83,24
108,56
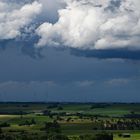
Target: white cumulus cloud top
x,y
94,24
14,17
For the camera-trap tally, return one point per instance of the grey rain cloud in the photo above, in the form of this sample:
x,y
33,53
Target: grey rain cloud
x,y
29,89
118,82
52,91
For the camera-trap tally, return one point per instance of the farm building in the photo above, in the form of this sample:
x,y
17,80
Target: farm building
x,y
125,135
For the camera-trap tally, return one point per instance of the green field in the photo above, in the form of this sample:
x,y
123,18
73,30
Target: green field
x,y
75,119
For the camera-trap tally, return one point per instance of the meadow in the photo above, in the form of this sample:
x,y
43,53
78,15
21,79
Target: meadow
x,y
74,119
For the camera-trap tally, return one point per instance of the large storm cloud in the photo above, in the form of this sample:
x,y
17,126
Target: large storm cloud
x,y
91,28
88,24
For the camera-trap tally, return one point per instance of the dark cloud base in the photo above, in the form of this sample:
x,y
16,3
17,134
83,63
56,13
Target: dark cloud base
x,y
108,54
27,48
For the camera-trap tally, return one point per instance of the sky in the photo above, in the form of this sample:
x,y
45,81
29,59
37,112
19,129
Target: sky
x,y
70,50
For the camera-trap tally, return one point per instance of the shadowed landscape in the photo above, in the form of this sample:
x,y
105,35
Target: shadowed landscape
x,y
69,121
